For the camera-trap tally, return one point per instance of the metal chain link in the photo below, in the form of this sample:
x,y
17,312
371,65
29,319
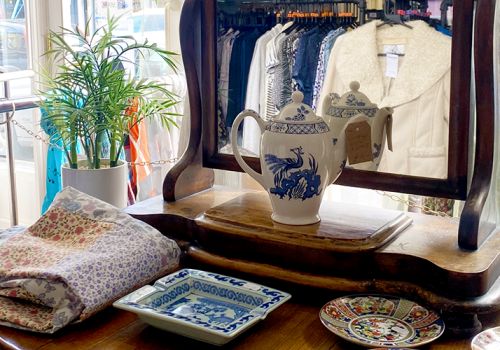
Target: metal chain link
x,y
425,209
48,143
155,162
35,135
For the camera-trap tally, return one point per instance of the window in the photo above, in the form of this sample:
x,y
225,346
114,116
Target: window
x,y
141,19
156,21
16,81
13,39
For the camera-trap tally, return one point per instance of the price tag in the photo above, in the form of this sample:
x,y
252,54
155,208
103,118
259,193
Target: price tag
x,y
359,142
392,65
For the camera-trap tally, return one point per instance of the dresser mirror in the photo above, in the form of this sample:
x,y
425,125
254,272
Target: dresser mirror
x,y
417,67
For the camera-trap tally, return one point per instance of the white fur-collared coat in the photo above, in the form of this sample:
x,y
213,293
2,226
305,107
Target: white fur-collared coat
x,y
420,94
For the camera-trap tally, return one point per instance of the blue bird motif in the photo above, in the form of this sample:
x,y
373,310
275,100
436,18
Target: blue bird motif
x,y
298,184
281,166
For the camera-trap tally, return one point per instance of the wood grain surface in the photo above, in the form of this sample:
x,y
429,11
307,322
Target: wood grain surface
x,y
294,325
426,253
343,227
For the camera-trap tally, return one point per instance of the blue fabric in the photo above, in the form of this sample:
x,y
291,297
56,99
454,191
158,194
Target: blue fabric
x,y
304,69
55,158
444,30
324,57
239,68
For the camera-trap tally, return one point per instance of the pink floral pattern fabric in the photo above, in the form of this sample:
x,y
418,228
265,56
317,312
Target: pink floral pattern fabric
x,y
75,260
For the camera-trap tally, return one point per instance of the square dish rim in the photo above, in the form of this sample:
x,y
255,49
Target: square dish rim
x,y
256,313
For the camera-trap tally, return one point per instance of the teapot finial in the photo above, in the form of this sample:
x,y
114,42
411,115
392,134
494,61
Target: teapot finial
x,y
297,97
354,86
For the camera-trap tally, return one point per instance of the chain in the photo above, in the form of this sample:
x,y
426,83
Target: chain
x,y
36,136
155,162
426,209
51,144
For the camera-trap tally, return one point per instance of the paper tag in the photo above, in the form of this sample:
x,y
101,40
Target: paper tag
x,y
392,63
359,142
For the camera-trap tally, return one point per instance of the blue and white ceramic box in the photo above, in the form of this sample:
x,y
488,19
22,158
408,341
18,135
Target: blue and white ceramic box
x,y
202,305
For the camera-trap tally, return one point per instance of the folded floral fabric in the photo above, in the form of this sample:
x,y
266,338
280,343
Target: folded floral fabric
x,y
75,260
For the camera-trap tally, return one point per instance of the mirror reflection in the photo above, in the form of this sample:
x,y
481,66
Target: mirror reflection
x,y
396,55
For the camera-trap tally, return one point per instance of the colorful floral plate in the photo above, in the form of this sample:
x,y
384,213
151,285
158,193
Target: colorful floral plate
x,y
205,306
381,321
487,340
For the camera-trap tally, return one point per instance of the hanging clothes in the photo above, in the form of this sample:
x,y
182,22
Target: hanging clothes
x,y
223,83
239,67
306,62
162,142
271,69
55,160
419,94
324,55
255,96
287,52
222,134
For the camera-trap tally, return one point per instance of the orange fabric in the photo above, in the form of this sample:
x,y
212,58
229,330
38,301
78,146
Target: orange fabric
x,y
139,151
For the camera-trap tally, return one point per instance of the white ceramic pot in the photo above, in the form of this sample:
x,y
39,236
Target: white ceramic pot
x,y
106,184
338,110
299,158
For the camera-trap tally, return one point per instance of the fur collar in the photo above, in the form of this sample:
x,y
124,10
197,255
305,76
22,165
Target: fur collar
x,y
427,59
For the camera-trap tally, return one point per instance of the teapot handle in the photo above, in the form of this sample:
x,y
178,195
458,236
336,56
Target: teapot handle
x,y
234,136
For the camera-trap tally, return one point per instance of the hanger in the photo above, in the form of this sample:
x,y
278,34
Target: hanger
x,y
393,20
394,52
445,4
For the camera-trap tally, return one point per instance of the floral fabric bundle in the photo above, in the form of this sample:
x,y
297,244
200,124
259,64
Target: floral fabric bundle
x,y
75,260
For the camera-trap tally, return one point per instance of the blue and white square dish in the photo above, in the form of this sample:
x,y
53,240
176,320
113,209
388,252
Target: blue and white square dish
x,y
202,305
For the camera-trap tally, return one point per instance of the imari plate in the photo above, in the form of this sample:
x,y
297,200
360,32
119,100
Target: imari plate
x,y
202,305
381,321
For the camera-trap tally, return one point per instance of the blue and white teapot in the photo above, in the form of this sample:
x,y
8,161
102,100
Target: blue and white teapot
x,y
338,110
299,158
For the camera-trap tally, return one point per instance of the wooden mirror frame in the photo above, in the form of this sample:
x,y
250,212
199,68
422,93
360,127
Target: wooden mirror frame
x,y
454,186
193,173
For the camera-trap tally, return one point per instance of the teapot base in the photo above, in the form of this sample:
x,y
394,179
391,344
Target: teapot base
x,y
287,220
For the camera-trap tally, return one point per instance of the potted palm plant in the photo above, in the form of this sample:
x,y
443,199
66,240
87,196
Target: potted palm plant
x,y
93,102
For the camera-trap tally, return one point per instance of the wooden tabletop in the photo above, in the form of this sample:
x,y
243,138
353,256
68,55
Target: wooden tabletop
x,y
294,325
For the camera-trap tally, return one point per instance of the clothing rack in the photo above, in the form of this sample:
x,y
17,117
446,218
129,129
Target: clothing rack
x,y
324,9
255,18
305,11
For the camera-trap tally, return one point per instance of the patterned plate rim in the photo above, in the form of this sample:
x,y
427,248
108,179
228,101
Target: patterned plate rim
x,y
277,298
332,328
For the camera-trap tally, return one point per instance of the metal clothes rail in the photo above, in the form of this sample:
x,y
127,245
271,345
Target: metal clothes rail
x,y
8,107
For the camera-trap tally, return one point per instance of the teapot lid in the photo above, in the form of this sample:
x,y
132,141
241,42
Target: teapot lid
x,y
297,111
352,100
297,118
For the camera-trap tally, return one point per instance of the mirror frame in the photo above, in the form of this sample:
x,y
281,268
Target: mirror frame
x,y
454,186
